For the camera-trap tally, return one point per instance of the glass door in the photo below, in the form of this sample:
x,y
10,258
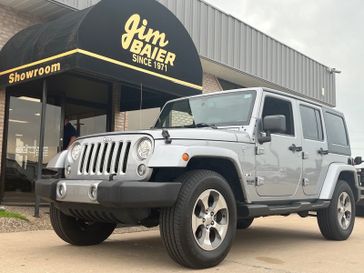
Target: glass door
x,y
23,145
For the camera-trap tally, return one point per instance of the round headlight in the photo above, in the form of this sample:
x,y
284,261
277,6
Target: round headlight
x,y
76,151
144,148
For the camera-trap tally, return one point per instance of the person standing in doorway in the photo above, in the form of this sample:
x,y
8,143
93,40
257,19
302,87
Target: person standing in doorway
x,y
69,134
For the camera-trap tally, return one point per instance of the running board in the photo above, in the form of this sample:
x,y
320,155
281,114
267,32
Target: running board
x,y
257,210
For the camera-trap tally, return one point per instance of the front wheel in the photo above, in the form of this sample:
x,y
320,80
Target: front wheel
x,y
79,232
337,221
199,229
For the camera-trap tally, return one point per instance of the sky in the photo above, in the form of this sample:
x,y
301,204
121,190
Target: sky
x,y
329,31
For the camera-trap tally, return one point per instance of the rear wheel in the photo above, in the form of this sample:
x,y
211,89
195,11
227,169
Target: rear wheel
x,y
199,229
337,221
245,223
79,232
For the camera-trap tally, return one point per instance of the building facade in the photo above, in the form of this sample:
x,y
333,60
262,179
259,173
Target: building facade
x,y
233,54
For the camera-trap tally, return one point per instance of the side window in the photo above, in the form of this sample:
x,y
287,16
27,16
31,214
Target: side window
x,y
274,106
311,123
336,130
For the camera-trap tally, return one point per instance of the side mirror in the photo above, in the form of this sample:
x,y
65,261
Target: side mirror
x,y
358,160
275,124
271,124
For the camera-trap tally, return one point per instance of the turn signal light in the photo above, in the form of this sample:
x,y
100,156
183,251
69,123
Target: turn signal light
x,y
185,157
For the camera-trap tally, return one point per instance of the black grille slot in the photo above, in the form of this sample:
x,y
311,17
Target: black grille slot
x,y
103,158
126,156
88,160
117,158
97,150
83,158
109,160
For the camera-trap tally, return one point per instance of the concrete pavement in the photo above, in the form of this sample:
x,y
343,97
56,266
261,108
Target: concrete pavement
x,y
275,244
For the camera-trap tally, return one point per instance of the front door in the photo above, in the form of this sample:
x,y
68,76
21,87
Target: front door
x,y
314,149
279,162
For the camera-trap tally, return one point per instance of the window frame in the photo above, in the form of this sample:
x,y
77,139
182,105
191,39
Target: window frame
x,y
277,97
333,147
319,120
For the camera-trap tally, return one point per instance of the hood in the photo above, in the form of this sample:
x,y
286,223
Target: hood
x,y
230,135
197,134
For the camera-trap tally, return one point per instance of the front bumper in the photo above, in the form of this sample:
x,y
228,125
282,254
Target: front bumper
x,y
109,194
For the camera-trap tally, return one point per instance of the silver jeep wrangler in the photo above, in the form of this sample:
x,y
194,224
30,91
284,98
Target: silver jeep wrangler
x,y
211,164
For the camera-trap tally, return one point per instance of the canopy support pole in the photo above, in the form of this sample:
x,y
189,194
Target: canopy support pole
x,y
41,144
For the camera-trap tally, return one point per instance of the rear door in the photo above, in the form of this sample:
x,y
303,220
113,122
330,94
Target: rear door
x,y
315,148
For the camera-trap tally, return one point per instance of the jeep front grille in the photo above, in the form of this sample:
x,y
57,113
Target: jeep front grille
x,y
102,158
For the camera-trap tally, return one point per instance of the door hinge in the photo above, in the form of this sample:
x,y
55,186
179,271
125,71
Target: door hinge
x,y
250,180
259,150
259,181
305,182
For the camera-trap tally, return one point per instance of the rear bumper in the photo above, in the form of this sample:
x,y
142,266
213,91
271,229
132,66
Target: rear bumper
x,y
109,194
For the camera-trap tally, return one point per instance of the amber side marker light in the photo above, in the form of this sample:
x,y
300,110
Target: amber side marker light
x,y
185,157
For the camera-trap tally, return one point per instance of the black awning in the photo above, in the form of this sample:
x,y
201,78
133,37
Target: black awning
x,y
136,41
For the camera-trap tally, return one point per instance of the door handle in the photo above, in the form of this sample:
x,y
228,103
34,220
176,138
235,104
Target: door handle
x,y
323,152
295,148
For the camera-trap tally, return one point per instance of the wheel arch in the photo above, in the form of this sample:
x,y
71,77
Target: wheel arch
x,y
225,167
351,179
336,172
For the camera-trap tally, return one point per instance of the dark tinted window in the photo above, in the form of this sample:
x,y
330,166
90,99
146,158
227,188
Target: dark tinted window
x,y
274,106
311,123
336,130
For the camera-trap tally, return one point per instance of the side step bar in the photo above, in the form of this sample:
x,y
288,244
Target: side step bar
x,y
256,210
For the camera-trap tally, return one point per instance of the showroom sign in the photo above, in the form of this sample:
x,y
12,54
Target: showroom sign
x,y
134,41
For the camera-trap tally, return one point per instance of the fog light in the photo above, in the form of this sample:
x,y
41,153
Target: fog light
x,y
142,169
92,193
61,190
68,170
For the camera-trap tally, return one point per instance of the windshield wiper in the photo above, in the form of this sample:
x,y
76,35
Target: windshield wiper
x,y
203,125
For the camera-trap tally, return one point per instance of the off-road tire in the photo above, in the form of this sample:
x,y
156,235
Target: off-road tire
x,y
79,232
328,218
244,223
176,222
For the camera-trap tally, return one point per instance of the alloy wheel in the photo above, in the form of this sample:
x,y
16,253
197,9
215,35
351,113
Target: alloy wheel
x,y
210,219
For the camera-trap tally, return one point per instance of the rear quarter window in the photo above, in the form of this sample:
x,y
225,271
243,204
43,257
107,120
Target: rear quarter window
x,y
337,134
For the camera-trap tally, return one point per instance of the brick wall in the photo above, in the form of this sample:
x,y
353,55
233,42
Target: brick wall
x,y
12,22
210,83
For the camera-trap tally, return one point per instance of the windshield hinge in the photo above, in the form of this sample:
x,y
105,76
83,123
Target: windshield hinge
x,y
166,136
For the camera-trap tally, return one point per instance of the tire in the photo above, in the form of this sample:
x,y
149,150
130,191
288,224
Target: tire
x,y
328,219
79,232
182,227
244,223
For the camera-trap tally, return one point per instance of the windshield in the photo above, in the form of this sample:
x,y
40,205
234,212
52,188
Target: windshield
x,y
215,110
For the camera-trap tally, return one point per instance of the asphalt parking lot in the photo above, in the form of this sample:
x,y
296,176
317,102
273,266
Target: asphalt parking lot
x,y
275,244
